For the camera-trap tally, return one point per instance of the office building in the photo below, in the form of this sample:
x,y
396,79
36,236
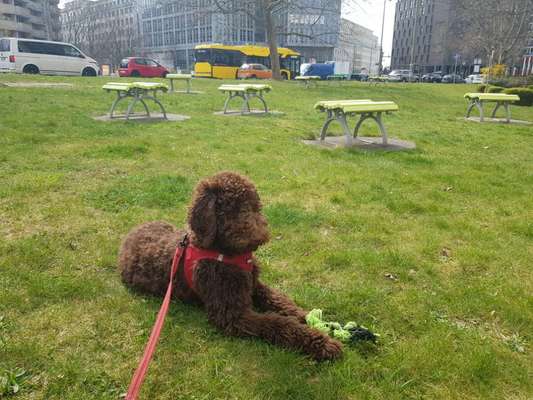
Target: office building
x,y
359,47
422,36
107,30
171,30
36,19
313,29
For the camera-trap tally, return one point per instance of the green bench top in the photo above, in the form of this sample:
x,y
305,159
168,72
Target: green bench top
x,y
245,88
179,76
357,106
307,78
127,86
337,76
492,96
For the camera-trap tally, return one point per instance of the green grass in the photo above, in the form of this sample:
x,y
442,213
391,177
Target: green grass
x,y
452,220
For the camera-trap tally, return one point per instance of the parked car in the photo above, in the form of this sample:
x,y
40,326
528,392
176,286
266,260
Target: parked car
x,y
140,66
254,71
432,77
359,77
31,56
452,78
403,75
474,79
321,70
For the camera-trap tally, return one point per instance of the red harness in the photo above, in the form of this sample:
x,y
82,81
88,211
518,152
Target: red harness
x,y
193,255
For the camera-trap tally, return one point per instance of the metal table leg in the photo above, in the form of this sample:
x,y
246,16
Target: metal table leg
x,y
341,117
479,105
245,104
337,115
507,106
330,118
379,122
119,98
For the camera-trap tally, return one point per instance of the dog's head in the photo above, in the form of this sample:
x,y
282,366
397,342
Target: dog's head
x,y
225,215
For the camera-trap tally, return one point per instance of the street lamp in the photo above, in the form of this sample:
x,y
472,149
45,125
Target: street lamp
x,y
381,44
413,36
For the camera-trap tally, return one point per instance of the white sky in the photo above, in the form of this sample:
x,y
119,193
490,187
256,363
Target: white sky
x,y
369,13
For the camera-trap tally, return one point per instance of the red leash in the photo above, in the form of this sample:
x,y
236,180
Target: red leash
x,y
140,373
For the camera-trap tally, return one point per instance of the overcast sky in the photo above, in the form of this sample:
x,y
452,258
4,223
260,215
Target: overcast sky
x,y
369,13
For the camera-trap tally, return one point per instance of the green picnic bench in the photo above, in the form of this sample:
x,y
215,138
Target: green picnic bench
x,y
136,92
307,80
180,77
478,100
246,92
339,110
337,77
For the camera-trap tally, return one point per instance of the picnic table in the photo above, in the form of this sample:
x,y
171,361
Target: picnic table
x,y
246,92
308,80
478,100
180,77
339,110
337,77
136,92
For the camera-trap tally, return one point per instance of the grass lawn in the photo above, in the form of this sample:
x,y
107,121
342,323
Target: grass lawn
x,y
452,221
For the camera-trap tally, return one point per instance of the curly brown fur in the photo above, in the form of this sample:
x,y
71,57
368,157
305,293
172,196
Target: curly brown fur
x,y
225,216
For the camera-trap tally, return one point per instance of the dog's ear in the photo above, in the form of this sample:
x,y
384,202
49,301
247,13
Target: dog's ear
x,y
202,217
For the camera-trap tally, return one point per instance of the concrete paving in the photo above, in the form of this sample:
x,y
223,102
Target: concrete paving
x,y
252,113
364,143
154,117
185,92
497,121
36,85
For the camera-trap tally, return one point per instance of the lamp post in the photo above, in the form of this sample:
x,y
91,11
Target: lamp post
x,y
456,58
415,27
381,44
491,59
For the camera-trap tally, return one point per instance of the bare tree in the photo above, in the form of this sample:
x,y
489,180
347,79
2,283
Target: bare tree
x,y
495,29
73,25
108,39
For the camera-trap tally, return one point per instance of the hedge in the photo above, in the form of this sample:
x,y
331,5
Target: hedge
x,y
482,88
526,96
495,89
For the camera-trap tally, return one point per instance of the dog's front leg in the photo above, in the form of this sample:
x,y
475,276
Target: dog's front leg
x,y
274,328
268,299
226,293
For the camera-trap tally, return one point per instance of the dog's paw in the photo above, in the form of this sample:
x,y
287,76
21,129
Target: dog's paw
x,y
330,350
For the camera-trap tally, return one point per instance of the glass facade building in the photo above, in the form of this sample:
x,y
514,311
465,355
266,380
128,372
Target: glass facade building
x,y
171,30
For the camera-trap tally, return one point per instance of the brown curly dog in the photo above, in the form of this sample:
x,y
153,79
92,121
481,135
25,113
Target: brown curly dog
x,y
225,217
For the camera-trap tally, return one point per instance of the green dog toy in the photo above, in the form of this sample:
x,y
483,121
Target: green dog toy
x,y
350,333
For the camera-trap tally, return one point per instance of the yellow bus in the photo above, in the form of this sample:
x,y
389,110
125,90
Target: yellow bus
x,y
222,62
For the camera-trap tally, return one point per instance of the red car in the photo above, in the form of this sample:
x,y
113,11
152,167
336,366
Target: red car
x,y
140,66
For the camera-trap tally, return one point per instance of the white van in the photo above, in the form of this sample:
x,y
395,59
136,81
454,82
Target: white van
x,y
31,56
474,79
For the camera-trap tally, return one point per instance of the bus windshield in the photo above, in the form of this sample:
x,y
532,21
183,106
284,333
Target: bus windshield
x,y
292,63
202,55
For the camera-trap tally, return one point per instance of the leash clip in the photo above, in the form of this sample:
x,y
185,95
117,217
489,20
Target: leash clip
x,y
185,241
